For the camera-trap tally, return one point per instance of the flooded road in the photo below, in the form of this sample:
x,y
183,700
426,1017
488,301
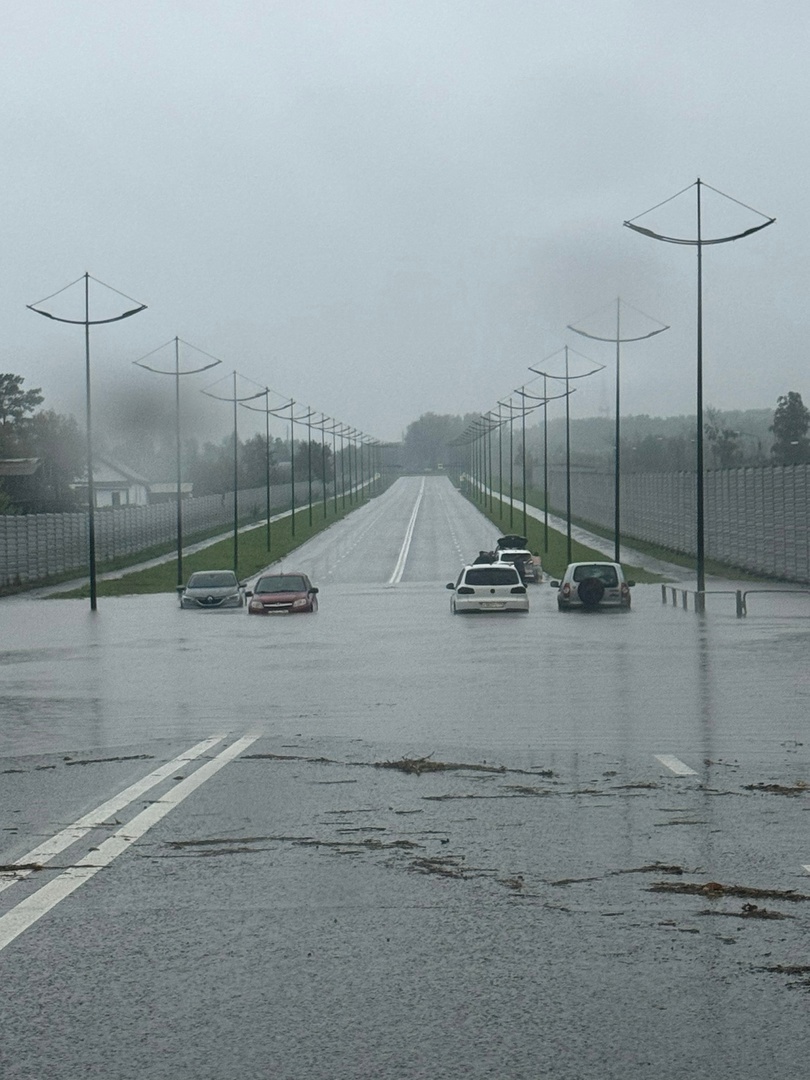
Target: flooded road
x,y
607,877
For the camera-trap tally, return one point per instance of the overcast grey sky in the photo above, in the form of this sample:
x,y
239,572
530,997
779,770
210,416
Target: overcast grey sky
x,y
392,207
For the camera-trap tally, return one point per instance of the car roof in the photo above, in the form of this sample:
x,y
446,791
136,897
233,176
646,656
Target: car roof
x,y
593,562
483,566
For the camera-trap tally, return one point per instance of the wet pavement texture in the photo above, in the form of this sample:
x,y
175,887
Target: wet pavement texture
x,y
479,846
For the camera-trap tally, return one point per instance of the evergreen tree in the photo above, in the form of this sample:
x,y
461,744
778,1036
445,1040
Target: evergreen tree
x,y
790,423
16,405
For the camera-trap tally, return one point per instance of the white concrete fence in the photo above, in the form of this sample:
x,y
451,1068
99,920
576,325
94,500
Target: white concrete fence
x,y
34,547
756,518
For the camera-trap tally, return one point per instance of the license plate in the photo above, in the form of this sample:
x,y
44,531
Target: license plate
x,y
493,603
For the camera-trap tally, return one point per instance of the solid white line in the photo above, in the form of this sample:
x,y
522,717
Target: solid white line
x,y
806,867
399,569
28,911
675,765
50,848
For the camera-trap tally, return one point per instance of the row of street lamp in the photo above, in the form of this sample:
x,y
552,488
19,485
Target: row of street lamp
x,y
362,448
481,429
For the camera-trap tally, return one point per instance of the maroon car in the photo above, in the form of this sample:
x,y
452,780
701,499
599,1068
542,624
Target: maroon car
x,y
282,594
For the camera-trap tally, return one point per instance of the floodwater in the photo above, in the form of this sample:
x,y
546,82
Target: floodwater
x,y
608,879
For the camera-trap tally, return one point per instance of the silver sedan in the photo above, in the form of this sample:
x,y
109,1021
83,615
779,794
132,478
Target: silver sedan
x,y
212,590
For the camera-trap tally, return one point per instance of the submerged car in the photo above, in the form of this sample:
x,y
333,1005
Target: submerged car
x,y
488,587
212,589
593,585
512,548
282,594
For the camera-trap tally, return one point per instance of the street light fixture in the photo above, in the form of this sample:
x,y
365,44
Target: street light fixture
x,y
268,412
618,340
568,377
236,401
699,242
177,374
512,410
87,322
541,400
293,420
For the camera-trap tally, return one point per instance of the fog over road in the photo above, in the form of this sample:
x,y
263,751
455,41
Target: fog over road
x,y
218,877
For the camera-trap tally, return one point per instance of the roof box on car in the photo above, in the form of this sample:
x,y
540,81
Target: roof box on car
x,y
511,540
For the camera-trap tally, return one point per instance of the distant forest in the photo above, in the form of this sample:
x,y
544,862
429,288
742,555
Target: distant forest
x,y
648,443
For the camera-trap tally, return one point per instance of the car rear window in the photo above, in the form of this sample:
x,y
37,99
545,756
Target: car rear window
x,y
492,575
281,583
606,574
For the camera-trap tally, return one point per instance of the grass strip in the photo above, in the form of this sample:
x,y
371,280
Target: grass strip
x,y
253,554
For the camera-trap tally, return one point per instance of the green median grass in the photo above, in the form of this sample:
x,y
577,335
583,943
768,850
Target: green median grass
x,y
252,548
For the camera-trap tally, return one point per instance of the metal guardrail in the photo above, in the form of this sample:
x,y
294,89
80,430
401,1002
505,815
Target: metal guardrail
x,y
740,595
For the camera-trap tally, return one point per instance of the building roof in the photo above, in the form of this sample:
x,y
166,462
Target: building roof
x,y
18,466
120,472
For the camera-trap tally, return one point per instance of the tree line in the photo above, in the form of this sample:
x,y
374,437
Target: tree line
x,y
43,453
648,444
52,447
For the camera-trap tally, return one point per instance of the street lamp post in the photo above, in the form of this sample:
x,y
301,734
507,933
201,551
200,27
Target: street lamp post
x,y
177,374
568,377
268,412
618,340
87,322
540,400
512,408
699,242
235,401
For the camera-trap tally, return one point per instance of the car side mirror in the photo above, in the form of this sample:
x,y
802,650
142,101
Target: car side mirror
x,y
554,584
313,590
179,589
630,584
449,585
248,593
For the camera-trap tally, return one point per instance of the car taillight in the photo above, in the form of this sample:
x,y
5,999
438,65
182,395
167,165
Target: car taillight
x,y
566,589
625,588
465,589
518,589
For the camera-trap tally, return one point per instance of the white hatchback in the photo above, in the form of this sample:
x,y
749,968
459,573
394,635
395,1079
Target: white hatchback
x,y
488,587
593,585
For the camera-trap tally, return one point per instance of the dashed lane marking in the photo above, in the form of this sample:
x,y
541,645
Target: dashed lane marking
x,y
675,765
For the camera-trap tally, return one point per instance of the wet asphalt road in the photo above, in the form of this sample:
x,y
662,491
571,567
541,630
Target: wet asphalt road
x,y
540,910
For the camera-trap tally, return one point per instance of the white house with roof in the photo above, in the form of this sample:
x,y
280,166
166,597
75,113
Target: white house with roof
x,y
114,485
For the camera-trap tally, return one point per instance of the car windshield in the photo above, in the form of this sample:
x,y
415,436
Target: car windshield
x,y
602,572
281,583
213,579
491,575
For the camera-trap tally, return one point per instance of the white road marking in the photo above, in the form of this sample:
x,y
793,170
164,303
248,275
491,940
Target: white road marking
x,y
30,910
806,867
46,851
399,569
675,765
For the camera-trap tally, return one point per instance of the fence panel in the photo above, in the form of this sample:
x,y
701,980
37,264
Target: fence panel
x,y
756,518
